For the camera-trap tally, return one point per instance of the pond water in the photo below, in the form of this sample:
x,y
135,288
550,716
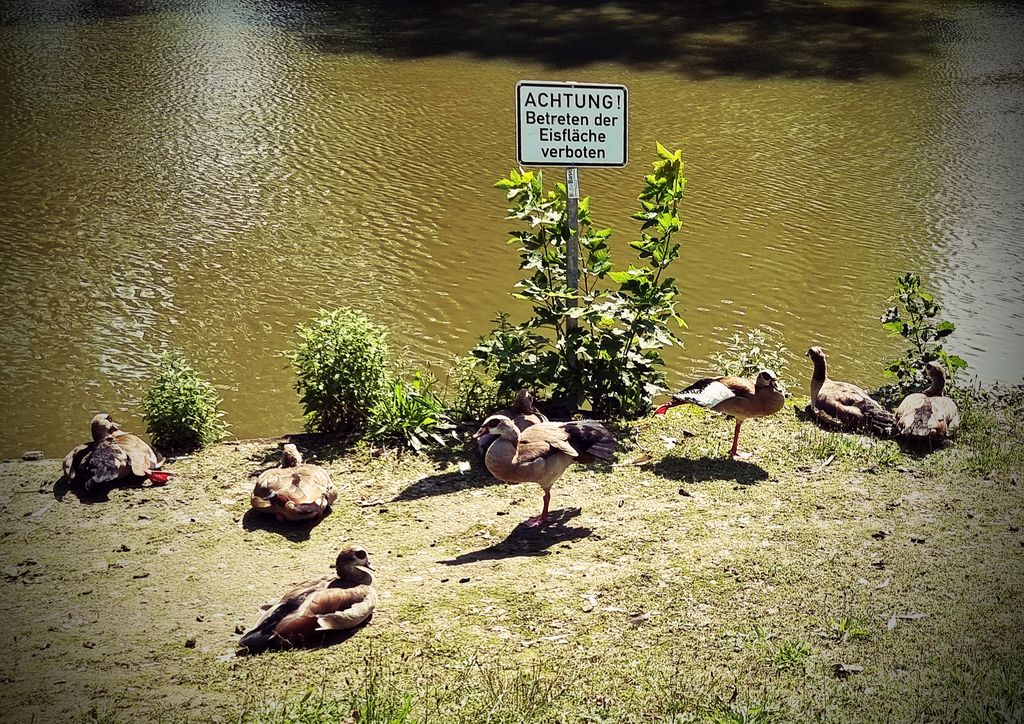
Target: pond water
x,y
204,176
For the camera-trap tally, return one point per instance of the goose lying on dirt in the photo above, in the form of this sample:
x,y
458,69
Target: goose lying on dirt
x,y
304,614
844,405
295,490
112,456
929,416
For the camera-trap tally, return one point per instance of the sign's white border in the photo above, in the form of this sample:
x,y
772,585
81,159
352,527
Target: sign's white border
x,y
623,113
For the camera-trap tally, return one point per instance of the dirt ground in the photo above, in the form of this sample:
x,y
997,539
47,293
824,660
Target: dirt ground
x,y
683,582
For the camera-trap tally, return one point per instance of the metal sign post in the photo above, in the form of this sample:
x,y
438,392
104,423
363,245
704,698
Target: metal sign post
x,y
571,125
572,245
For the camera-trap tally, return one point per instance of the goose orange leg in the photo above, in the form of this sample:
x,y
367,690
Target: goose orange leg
x,y
735,452
543,517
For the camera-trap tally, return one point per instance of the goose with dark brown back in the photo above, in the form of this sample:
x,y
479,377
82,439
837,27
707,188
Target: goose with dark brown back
x,y
843,404
929,416
335,602
541,453
112,456
739,397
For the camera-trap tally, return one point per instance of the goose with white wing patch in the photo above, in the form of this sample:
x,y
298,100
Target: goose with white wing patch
x,y
738,397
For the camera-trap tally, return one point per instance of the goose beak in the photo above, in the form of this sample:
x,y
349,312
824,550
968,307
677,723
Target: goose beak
x,y
366,569
662,409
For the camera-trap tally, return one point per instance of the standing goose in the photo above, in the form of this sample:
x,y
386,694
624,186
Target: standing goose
x,y
739,397
842,404
295,490
541,453
304,614
929,416
523,414
112,456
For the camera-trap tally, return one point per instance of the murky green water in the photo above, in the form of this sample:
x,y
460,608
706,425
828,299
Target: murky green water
x,y
203,176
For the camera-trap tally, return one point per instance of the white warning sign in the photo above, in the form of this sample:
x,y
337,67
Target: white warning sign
x,y
570,124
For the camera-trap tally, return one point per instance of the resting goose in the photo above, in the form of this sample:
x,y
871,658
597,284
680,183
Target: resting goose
x,y
739,397
842,404
112,456
335,602
929,416
541,453
523,413
295,490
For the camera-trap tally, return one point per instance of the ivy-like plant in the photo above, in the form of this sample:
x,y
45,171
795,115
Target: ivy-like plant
x,y
611,357
914,317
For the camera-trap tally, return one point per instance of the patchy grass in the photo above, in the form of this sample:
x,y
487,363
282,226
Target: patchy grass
x,y
830,577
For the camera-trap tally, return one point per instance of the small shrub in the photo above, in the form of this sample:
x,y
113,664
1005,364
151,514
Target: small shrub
x,y
747,353
471,393
342,366
180,408
412,414
914,318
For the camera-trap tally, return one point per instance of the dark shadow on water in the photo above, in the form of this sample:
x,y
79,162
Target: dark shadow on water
x,y
702,470
755,39
701,39
297,531
525,541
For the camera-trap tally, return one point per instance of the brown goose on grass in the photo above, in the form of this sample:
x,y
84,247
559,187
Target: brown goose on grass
x,y
845,405
112,456
929,416
335,602
739,397
541,453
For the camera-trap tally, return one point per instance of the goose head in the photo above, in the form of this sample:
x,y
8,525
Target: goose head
x,y
768,379
497,425
290,456
353,564
103,425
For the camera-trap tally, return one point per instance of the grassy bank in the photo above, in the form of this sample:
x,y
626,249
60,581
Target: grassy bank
x,y
832,577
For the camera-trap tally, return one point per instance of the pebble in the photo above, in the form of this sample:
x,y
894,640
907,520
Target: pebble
x,y
30,455
190,642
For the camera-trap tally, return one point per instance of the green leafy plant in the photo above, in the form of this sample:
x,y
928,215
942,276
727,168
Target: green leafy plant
x,y
846,628
791,654
181,408
914,317
610,355
748,352
412,413
471,393
341,363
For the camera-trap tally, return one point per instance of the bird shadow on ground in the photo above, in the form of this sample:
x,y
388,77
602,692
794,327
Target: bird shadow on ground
x,y
62,486
445,483
297,531
704,469
526,541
